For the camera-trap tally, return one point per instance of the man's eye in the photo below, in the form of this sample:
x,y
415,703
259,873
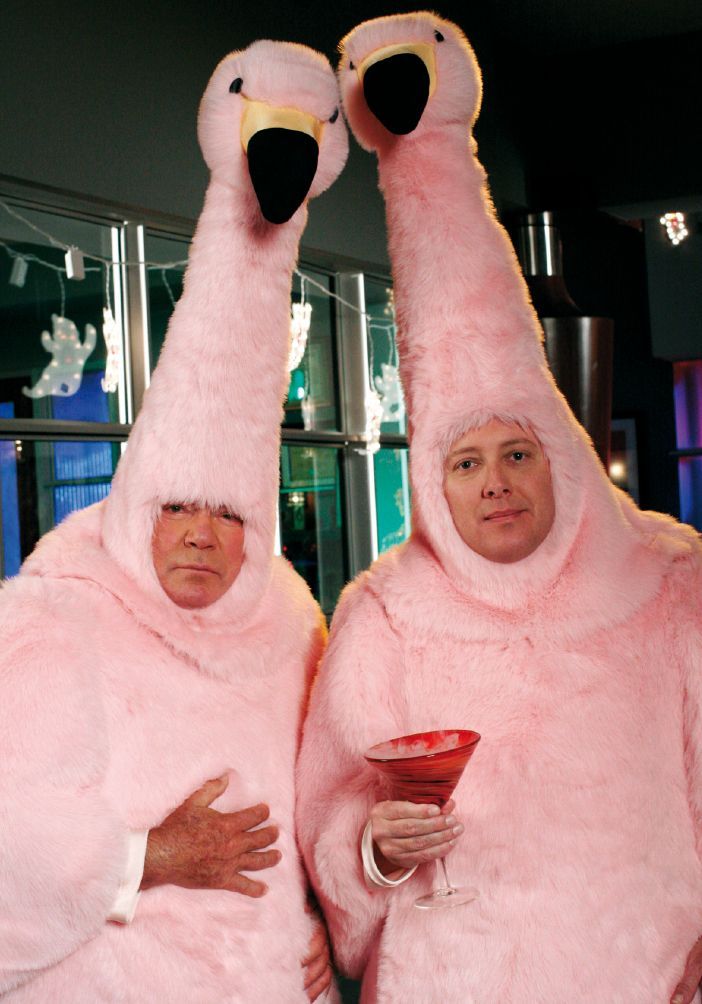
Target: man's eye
x,y
518,455
230,517
466,465
173,507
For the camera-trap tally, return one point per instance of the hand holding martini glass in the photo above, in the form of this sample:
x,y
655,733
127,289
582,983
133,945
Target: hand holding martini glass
x,y
425,768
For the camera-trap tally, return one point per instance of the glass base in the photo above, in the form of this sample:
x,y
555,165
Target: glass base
x,y
441,899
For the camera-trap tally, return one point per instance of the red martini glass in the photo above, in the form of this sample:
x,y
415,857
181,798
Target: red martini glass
x,y
426,767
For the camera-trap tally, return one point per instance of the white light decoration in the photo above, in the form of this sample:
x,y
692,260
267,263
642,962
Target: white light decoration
x,y
307,407
113,346
389,390
300,320
18,273
64,374
374,418
617,470
675,227
75,264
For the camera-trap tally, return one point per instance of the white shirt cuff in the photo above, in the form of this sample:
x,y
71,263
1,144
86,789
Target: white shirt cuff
x,y
125,903
373,874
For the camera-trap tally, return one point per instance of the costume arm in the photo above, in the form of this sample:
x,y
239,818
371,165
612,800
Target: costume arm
x,y
62,847
356,701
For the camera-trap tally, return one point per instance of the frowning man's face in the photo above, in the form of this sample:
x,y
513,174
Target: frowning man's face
x,y
497,482
197,553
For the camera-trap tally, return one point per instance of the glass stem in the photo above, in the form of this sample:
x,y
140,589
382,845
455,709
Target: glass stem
x,y
448,885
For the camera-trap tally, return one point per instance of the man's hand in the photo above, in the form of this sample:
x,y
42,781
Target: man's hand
x,y
317,965
691,978
406,834
200,848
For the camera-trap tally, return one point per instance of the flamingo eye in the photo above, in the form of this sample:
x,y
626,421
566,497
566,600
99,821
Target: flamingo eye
x,y
236,85
335,116
438,36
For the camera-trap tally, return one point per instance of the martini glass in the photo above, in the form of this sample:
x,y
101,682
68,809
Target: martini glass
x,y
425,768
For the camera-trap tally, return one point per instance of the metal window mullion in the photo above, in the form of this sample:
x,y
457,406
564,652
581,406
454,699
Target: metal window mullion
x,y
137,347
354,387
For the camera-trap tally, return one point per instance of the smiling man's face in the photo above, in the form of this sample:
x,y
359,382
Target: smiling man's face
x,y
497,482
197,553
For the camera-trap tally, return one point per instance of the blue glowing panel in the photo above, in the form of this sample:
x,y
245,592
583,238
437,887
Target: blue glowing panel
x,y
68,498
688,430
9,502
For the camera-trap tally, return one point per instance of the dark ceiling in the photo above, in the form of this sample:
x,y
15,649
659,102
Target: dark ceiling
x,y
599,98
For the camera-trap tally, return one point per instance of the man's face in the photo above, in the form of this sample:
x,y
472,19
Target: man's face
x,y
497,483
197,553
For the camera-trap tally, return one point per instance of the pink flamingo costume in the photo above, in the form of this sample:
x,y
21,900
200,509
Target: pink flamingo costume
x,y
579,664
116,703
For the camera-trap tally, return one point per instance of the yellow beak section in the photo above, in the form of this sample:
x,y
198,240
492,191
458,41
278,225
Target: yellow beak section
x,y
424,50
258,115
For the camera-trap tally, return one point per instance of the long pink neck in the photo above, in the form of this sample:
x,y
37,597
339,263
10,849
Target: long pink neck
x,y
237,282
451,259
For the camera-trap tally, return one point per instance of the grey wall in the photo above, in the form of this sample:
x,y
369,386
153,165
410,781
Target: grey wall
x,y
101,99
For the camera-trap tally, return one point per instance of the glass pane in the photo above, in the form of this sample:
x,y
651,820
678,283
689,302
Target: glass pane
x,y
41,482
312,398
311,519
382,354
392,497
690,477
52,328
165,285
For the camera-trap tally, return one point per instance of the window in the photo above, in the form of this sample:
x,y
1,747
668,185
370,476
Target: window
x,y
71,384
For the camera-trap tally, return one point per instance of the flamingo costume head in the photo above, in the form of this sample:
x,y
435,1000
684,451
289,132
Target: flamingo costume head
x,y
209,430
470,344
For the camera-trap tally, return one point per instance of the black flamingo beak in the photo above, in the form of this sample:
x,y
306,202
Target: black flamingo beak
x,y
282,149
398,81
282,166
396,91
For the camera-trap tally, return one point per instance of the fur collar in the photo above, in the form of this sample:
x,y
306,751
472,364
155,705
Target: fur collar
x,y
75,551
596,589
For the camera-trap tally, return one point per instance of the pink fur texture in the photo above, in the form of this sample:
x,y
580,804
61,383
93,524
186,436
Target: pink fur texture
x,y
210,425
117,704
579,665
112,714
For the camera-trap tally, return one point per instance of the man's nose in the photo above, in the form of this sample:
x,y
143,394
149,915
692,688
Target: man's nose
x,y
496,486
199,533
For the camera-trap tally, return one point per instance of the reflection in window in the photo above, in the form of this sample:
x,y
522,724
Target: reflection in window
x,y
41,482
392,497
311,519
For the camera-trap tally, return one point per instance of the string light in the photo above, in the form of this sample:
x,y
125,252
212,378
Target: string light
x,y
675,226
384,406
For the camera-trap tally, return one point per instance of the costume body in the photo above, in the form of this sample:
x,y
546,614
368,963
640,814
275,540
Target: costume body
x,y
581,805
579,664
118,703
112,714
